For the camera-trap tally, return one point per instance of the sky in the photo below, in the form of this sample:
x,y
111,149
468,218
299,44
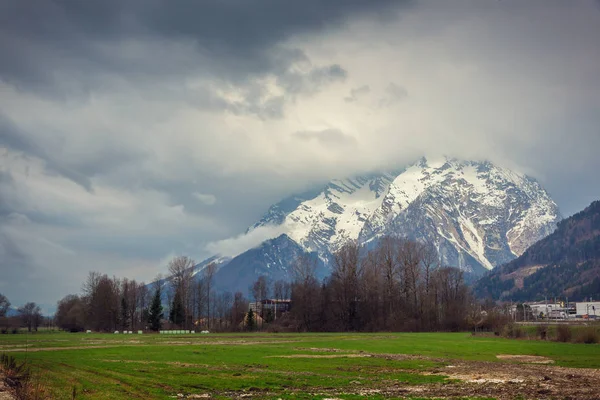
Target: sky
x,y
132,131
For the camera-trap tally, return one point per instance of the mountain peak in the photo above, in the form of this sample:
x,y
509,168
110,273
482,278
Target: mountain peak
x,y
476,213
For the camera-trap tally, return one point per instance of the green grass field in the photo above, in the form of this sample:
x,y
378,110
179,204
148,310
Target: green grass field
x,y
278,366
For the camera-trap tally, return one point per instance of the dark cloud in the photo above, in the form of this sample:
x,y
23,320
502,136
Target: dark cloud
x,y
233,39
15,139
180,115
6,185
15,265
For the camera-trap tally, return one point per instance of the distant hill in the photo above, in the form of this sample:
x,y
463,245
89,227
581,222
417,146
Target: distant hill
x,y
566,264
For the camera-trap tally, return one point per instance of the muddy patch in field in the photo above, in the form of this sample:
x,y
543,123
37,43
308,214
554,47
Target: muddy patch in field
x,y
354,355
525,359
324,350
500,379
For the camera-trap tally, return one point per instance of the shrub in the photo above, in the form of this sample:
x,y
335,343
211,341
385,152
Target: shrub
x,y
542,331
513,331
495,322
18,378
563,333
588,335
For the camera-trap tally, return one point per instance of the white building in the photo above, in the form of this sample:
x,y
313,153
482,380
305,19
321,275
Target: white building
x,y
545,310
590,308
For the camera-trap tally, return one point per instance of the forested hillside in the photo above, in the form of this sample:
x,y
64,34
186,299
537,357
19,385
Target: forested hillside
x,y
566,264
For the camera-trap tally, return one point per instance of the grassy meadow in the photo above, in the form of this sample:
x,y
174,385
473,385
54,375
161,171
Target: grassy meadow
x,y
260,365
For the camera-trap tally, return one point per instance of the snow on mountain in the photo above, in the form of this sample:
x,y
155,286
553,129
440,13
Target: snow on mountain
x,y
468,210
475,213
334,215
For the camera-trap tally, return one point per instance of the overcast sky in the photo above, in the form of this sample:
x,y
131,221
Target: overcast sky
x,y
135,130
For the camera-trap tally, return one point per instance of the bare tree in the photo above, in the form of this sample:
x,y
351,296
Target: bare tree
x,y
201,300
224,304
260,291
181,270
101,298
409,258
143,300
374,312
30,315
429,264
345,285
386,258
278,289
209,273
305,292
238,310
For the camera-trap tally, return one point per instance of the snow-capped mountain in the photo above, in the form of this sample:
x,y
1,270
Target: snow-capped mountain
x,y
476,214
324,220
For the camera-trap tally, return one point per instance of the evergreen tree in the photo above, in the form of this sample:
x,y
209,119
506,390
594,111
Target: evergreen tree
x,y
250,320
176,315
155,313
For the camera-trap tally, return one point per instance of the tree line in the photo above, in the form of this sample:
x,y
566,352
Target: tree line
x,y
182,300
29,315
396,285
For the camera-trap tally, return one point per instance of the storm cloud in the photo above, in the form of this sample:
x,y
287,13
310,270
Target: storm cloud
x,y
132,131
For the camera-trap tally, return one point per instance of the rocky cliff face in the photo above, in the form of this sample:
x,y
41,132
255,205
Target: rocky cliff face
x,y
475,213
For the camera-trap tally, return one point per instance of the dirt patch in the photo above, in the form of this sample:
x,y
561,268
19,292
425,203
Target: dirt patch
x,y
322,356
324,350
520,275
525,359
502,380
5,392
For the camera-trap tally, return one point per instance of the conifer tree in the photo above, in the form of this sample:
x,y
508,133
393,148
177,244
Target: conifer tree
x,y
155,313
250,320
